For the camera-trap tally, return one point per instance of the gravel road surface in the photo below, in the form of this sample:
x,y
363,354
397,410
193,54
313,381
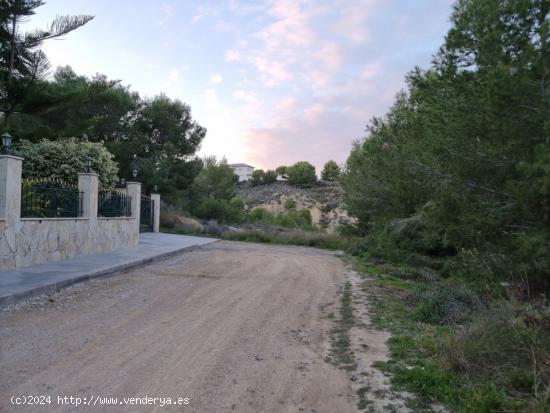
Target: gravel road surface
x,y
232,327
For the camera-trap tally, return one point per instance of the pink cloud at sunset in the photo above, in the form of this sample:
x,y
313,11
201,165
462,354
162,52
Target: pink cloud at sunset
x,y
273,81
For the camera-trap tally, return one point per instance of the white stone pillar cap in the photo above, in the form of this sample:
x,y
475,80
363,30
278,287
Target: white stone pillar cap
x,y
11,157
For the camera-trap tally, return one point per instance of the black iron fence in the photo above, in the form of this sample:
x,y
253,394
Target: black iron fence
x,y
50,198
146,214
114,204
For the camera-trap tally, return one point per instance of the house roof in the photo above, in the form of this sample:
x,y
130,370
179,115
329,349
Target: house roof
x,y
237,165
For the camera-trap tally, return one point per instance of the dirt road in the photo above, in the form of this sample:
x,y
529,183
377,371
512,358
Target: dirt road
x,y
231,326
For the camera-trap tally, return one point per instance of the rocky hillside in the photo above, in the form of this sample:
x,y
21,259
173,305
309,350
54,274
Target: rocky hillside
x,y
324,200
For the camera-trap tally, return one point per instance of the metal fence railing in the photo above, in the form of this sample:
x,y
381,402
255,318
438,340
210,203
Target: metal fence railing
x,y
114,204
50,198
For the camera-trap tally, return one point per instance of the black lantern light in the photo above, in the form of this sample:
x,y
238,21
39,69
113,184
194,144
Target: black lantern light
x,y
6,142
156,188
122,182
134,166
88,164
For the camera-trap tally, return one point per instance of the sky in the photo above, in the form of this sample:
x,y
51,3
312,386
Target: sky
x,y
273,81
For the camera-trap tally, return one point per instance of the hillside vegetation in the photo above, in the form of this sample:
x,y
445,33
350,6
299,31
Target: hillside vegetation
x,y
452,189
324,200
459,167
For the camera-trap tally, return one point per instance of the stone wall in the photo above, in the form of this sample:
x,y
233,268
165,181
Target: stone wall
x,y
42,240
28,241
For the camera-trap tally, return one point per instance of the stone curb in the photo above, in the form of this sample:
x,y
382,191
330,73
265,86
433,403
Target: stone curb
x,y
54,287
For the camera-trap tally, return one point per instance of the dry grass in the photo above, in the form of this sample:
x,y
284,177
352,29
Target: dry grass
x,y
293,237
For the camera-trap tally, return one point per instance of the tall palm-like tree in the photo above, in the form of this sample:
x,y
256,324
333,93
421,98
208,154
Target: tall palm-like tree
x,y
21,60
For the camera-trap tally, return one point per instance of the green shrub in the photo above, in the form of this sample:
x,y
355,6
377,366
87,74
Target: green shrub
x,y
330,172
304,216
482,271
237,203
493,357
281,170
295,219
258,177
215,180
350,230
301,173
508,346
429,381
64,159
522,260
529,262
212,208
291,219
260,215
270,177
221,210
442,303
290,203
487,398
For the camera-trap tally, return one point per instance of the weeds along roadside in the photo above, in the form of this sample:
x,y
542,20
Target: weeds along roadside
x,y
340,352
451,346
452,343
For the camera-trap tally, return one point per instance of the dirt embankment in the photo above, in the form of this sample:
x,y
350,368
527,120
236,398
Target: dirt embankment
x,y
324,200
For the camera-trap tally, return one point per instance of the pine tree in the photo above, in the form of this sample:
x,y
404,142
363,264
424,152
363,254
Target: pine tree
x,y
331,171
21,60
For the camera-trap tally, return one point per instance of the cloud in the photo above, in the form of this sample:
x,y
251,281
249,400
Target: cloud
x,y
273,72
330,56
200,14
174,77
309,73
316,124
325,63
196,18
286,105
167,13
298,64
251,105
352,23
371,70
279,45
292,26
224,137
232,55
215,79
314,73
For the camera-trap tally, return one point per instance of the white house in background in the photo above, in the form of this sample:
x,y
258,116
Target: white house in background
x,y
242,170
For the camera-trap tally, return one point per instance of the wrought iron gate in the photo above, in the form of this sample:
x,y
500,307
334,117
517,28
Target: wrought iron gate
x,y
146,214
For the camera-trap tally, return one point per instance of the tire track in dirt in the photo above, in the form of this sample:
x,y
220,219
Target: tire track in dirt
x,y
233,326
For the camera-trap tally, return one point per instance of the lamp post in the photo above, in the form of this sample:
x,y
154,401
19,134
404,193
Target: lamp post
x,y
134,166
6,142
88,164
